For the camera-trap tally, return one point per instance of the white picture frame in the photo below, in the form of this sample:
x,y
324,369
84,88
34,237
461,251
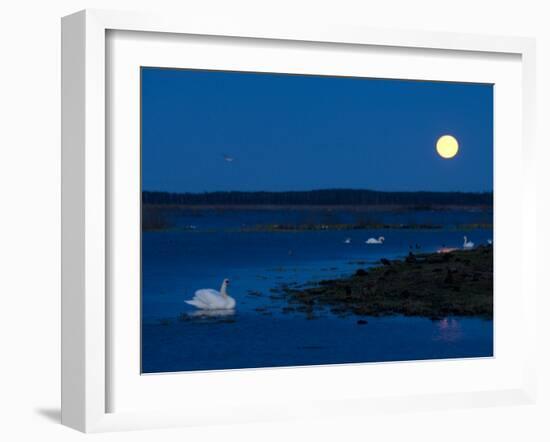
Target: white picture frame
x,y
86,207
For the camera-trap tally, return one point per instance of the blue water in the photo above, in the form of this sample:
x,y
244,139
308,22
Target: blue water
x,y
205,219
259,333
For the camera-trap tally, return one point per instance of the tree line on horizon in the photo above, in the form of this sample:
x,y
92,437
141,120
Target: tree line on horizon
x,y
329,197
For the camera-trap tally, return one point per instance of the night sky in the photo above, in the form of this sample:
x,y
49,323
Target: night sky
x,y
292,132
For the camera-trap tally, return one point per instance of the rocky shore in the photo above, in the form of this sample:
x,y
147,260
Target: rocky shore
x,y
432,285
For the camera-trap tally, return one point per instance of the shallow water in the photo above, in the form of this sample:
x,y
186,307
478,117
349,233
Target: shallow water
x,y
250,341
260,333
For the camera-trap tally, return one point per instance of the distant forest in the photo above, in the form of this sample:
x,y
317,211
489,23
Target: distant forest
x,y
324,197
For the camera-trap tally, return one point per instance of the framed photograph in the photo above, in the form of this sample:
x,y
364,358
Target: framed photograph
x,y
286,210
262,222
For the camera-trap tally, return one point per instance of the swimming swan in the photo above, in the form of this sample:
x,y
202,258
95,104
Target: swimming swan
x,y
375,241
467,244
210,299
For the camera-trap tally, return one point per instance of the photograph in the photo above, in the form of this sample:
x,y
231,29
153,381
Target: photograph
x,y
292,220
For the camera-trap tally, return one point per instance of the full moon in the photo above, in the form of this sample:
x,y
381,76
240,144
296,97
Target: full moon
x,y
447,146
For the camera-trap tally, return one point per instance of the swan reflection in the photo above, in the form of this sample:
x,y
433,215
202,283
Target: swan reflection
x,y
211,313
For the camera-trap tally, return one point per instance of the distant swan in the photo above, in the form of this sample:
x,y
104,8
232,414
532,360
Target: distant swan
x,y
468,244
347,241
210,299
375,241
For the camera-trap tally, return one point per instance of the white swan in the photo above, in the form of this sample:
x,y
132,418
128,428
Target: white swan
x,y
347,241
467,244
210,299
375,241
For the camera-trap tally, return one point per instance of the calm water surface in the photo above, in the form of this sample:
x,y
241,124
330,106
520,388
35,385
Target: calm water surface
x,y
259,333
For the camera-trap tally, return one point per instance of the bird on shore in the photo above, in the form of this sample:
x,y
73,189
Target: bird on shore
x,y
467,244
380,240
210,299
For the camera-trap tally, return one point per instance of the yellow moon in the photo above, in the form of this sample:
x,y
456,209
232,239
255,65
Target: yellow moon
x,y
447,146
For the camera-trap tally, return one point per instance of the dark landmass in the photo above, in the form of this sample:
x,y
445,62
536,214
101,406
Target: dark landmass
x,y
356,226
156,221
432,285
322,197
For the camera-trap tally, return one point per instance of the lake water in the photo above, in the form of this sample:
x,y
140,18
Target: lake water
x,y
259,333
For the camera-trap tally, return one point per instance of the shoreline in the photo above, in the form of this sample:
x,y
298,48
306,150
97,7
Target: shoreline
x,y
330,207
433,285
289,228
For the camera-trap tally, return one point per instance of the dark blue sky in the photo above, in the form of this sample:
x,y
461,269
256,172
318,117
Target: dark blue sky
x,y
289,132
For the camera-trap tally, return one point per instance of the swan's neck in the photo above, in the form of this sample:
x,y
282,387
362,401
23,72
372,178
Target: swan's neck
x,y
223,290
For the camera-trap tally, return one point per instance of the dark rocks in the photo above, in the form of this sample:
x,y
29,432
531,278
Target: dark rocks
x,y
362,322
428,287
385,262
